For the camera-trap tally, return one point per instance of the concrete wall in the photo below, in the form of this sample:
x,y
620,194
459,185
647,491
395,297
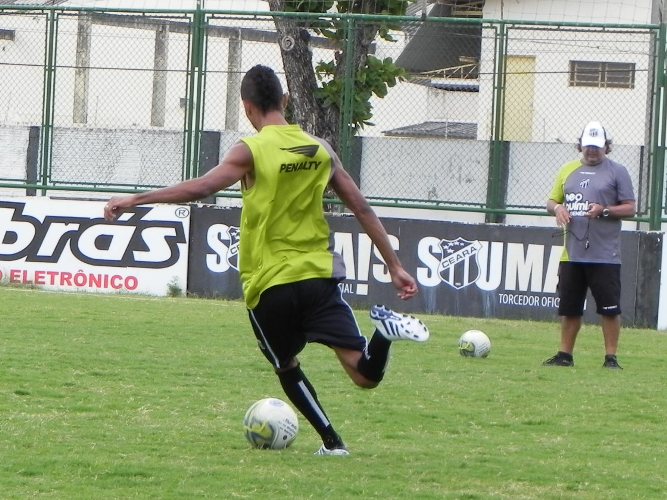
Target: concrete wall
x,y
14,151
444,170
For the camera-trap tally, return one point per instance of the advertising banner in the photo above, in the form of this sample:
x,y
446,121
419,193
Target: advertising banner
x,y
474,270
478,270
214,244
67,245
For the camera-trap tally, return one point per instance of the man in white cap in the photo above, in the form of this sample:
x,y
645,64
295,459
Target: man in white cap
x,y
589,198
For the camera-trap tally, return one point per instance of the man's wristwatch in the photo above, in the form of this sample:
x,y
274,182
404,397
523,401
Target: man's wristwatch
x,y
605,212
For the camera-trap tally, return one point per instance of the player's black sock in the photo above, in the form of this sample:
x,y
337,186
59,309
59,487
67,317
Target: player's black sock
x,y
374,360
302,395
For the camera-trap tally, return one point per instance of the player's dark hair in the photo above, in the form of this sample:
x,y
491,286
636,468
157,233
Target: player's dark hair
x,y
261,86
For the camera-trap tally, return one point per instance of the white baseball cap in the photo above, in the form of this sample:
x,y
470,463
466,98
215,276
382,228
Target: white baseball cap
x,y
594,134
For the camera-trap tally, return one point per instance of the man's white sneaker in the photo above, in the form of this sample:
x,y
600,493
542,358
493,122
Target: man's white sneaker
x,y
394,326
340,452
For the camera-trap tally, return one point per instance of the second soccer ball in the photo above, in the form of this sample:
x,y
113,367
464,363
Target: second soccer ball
x,y
474,344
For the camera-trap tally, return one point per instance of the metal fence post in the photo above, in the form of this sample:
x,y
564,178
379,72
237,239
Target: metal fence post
x,y
193,115
48,99
657,195
496,186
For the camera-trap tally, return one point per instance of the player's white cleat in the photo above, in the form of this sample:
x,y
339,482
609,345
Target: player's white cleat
x,y
339,452
394,326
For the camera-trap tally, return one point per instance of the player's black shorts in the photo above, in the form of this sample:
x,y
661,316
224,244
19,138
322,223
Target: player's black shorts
x,y
291,315
604,281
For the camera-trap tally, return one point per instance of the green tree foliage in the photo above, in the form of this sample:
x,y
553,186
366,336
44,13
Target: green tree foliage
x,y
323,94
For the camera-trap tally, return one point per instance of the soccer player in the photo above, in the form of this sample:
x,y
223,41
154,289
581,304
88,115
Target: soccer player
x,y
288,270
589,198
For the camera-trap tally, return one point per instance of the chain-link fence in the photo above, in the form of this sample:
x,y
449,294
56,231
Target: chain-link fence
x,y
483,117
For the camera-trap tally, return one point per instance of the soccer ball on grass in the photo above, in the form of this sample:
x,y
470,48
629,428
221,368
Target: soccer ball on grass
x,y
270,423
474,344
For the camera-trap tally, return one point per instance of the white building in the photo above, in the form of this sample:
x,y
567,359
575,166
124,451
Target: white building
x,y
557,78
541,102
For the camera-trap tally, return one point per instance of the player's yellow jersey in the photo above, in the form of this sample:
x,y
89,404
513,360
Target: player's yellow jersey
x,y
284,235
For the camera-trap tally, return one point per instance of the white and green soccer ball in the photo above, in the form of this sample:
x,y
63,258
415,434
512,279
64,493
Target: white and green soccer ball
x,y
270,423
474,344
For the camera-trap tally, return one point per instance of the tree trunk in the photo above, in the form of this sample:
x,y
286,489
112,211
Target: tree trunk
x,y
297,58
301,81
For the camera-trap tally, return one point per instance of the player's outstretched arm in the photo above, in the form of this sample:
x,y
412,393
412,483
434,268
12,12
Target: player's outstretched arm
x,y
349,193
235,165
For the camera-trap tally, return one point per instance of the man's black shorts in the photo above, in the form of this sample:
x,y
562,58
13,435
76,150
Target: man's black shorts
x,y
604,281
291,315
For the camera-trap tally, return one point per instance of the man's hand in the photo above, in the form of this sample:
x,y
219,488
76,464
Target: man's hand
x,y
562,214
405,284
594,211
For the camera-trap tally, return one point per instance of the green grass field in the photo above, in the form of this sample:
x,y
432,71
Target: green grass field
x,y
135,397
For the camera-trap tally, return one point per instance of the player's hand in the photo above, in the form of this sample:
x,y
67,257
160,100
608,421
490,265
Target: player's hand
x,y
116,206
405,284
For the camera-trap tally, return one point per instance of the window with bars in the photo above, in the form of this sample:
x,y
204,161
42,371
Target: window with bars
x,y
602,74
7,34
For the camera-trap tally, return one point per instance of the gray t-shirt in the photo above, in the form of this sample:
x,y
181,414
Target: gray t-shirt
x,y
577,187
